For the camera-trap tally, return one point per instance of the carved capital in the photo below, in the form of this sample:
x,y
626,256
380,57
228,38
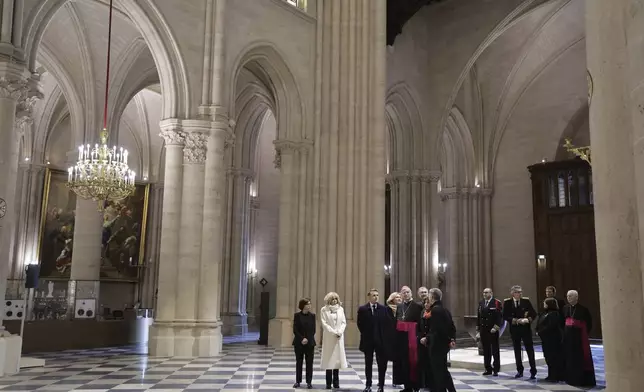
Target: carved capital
x,y
240,173
196,146
450,194
14,88
173,137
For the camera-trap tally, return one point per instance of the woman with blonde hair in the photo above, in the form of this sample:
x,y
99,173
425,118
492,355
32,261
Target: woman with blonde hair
x,y
334,323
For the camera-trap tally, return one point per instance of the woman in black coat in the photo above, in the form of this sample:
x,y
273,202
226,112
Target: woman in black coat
x,y
304,342
549,330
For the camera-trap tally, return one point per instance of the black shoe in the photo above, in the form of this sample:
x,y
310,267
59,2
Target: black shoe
x,y
381,389
549,379
328,387
309,386
487,372
533,376
495,374
336,386
296,385
518,375
367,389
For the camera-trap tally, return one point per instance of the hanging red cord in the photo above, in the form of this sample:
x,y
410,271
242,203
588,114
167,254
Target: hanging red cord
x,y
107,76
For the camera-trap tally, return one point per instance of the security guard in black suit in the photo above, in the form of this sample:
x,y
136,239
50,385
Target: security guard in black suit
x,y
488,325
519,313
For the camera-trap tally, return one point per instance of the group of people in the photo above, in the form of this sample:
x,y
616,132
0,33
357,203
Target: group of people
x,y
415,336
563,329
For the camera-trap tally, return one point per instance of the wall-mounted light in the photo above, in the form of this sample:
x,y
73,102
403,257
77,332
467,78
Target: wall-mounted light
x,y
544,160
442,267
387,269
48,162
26,159
145,178
541,261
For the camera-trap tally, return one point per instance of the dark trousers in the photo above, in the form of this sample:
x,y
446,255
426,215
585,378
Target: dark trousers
x,y
381,360
333,375
302,353
441,377
518,334
490,343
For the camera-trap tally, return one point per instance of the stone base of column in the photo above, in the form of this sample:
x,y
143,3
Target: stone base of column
x,y
10,352
234,324
187,340
280,332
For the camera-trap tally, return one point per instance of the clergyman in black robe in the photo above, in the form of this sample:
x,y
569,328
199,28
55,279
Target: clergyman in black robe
x,y
580,371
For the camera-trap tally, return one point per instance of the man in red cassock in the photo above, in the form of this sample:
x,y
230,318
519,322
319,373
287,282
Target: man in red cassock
x,y
406,367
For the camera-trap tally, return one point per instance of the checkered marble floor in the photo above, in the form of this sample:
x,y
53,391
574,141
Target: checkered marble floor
x,y
240,367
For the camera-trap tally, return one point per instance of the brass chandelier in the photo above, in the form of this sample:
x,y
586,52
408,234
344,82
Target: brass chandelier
x,y
102,173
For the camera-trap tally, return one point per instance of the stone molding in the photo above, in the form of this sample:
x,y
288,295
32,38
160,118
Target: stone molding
x,y
464,193
289,147
240,172
196,147
413,175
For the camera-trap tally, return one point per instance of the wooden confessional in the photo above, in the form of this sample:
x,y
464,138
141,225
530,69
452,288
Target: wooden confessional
x,y
564,233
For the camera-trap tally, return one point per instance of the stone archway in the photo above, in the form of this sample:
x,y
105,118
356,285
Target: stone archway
x,y
149,21
262,86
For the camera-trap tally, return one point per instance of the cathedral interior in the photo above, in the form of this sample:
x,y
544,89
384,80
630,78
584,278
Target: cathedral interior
x,y
273,150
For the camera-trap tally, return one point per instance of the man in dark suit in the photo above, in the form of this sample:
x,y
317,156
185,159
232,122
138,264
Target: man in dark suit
x,y
371,322
551,292
488,325
519,313
304,341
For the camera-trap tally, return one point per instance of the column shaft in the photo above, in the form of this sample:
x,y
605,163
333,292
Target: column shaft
x,y
190,234
614,178
213,220
171,219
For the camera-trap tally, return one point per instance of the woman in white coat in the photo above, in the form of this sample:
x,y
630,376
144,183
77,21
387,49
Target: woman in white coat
x,y
334,323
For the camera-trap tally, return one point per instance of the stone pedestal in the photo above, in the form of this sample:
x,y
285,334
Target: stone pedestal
x,y
617,233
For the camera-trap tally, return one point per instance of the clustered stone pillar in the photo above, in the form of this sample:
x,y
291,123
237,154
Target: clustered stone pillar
x,y
464,262
187,321
346,221
614,44
234,316
414,222
16,86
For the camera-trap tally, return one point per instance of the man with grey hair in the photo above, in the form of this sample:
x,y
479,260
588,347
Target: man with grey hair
x,y
422,294
519,313
580,370
442,337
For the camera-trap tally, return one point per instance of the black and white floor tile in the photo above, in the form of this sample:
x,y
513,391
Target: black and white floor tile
x,y
240,367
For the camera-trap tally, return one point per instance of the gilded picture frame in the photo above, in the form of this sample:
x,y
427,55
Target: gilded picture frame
x,y
123,235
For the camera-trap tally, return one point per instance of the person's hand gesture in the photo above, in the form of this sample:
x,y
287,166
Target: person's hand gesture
x,y
452,344
305,341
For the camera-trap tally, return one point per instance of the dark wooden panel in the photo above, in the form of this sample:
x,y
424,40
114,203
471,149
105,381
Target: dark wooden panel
x,y
564,232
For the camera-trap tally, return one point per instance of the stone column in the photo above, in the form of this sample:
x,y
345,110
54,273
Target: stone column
x,y
161,333
347,228
86,250
14,86
287,273
617,184
486,275
233,310
150,279
453,274
190,236
209,338
435,213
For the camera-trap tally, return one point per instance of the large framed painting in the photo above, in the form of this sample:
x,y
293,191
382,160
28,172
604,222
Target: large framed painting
x,y
123,234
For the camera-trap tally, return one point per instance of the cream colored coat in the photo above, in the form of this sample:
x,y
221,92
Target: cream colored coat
x,y
333,354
